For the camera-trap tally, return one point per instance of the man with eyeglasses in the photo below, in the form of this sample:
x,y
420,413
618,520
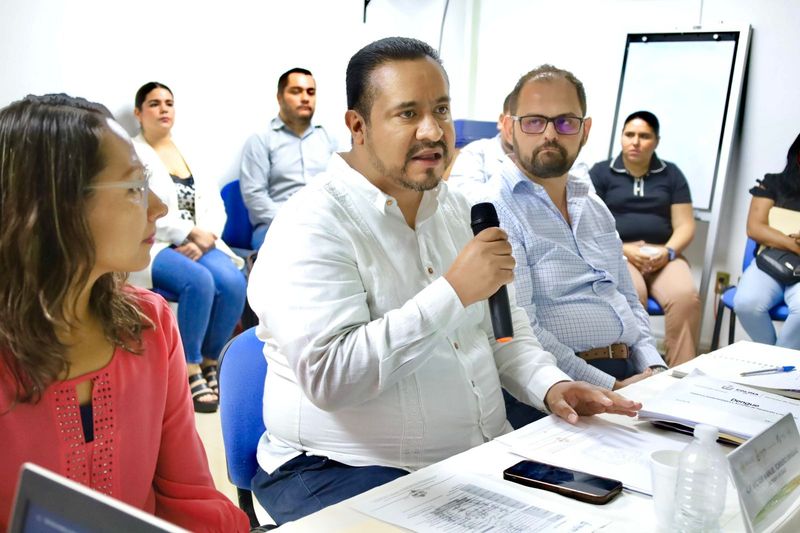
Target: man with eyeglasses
x,y
570,274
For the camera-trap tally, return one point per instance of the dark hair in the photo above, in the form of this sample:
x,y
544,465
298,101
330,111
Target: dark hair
x,y
283,81
548,72
49,153
648,117
360,92
789,178
145,89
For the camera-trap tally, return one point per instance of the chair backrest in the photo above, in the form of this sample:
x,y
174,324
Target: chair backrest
x,y
750,249
471,130
238,231
242,369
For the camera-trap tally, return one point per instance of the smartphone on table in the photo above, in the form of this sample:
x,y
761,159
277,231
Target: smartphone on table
x,y
571,483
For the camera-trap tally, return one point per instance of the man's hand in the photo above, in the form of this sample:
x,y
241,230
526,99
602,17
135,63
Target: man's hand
x,y
190,250
483,266
568,399
633,379
203,239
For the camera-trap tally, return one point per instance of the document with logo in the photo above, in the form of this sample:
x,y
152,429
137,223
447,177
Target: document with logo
x,y
766,473
738,411
729,362
466,503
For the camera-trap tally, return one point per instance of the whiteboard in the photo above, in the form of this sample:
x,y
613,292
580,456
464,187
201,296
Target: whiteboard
x,y
686,80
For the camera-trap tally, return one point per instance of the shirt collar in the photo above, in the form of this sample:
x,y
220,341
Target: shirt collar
x,y
517,182
656,165
381,201
278,124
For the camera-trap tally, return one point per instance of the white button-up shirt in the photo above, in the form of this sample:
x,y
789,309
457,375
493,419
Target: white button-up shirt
x,y
373,360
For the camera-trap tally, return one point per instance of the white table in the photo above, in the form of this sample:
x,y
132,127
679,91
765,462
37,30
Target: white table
x,y
628,512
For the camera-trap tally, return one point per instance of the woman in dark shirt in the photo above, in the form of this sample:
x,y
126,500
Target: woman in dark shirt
x,y
757,292
652,205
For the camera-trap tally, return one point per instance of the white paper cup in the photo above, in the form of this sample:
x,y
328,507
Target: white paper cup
x,y
664,469
650,250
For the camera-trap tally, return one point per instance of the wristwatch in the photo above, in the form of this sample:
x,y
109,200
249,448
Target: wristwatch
x,y
657,369
670,253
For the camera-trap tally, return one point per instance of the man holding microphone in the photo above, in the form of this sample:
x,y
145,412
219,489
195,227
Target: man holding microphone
x,y
373,306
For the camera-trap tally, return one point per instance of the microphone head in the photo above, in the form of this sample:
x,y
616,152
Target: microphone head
x,y
484,215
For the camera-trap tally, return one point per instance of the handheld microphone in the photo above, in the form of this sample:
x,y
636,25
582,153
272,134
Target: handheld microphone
x,y
484,216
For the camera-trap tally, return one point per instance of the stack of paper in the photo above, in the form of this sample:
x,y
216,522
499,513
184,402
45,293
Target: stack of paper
x,y
738,411
729,362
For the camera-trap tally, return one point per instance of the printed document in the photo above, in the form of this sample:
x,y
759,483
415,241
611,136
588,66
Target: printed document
x,y
467,503
744,356
738,411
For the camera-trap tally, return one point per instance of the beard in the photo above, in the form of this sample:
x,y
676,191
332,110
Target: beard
x,y
400,176
549,165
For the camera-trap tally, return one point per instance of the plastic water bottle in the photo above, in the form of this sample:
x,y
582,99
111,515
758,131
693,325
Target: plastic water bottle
x,y
702,480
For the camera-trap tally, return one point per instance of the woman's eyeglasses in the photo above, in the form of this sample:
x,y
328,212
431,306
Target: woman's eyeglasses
x,y
139,190
535,124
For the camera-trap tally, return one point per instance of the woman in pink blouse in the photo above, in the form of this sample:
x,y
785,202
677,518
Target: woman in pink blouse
x,y
92,375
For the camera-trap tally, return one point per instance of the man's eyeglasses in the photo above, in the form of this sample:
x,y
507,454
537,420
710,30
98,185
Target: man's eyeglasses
x,y
138,190
535,124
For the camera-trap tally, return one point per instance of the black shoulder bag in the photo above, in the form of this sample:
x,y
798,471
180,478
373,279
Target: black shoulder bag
x,y
781,265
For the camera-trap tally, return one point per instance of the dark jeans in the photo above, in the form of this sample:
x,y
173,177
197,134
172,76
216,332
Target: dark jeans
x,y
520,414
619,368
309,483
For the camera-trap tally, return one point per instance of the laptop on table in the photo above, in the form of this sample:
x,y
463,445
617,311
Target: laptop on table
x,y
46,502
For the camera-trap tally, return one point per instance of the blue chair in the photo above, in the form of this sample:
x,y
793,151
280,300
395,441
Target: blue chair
x,y
471,130
779,312
238,231
653,307
242,369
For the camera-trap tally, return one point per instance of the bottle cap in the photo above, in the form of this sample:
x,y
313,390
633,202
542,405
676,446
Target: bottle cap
x,y
706,433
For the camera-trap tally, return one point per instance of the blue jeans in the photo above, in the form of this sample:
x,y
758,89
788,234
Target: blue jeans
x,y
259,232
211,293
756,294
308,483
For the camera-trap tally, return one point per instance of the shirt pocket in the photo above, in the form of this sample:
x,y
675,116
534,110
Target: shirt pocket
x,y
602,251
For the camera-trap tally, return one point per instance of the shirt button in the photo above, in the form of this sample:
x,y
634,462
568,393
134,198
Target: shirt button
x,y
389,202
430,270
455,345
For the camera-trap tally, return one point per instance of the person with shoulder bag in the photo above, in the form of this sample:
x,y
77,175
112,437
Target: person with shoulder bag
x,y
774,223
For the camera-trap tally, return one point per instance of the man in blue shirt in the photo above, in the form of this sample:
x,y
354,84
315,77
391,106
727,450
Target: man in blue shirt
x,y
278,163
570,274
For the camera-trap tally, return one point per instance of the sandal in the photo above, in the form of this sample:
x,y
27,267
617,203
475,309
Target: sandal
x,y
210,375
199,389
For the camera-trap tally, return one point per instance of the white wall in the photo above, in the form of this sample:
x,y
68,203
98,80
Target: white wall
x,y
222,61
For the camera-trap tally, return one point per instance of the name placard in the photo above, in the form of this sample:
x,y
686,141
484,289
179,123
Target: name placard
x,y
766,474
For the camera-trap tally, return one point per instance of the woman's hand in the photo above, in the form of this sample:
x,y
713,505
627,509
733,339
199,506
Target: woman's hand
x,y
202,238
657,261
190,250
759,230
633,253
